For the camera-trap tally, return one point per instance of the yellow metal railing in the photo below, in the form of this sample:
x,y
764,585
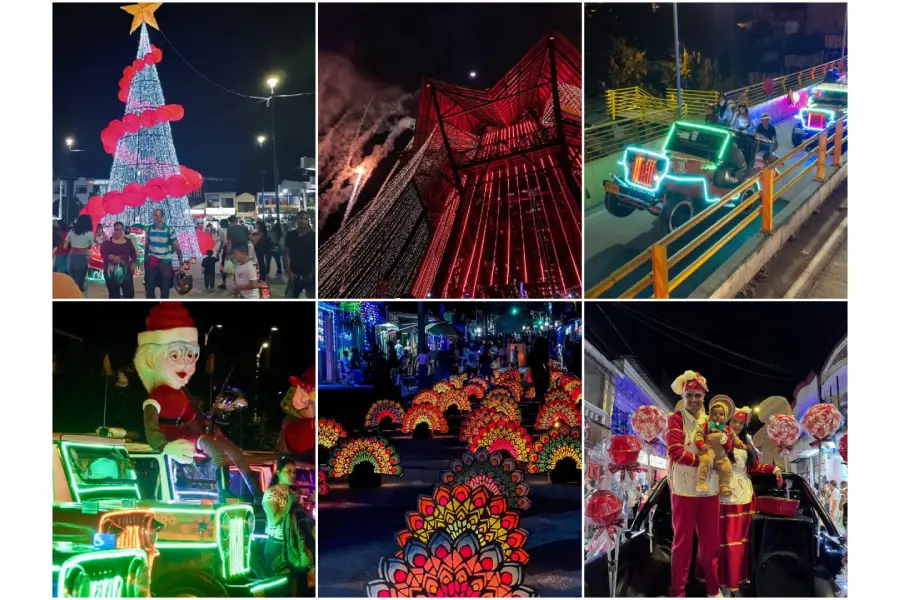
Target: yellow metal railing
x,y
662,275
694,102
756,94
638,115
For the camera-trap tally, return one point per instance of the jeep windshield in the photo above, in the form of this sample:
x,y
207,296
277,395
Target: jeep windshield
x,y
830,97
99,471
701,141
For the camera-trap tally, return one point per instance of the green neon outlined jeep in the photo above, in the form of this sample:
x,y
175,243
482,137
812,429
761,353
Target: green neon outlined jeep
x,y
201,549
698,165
827,105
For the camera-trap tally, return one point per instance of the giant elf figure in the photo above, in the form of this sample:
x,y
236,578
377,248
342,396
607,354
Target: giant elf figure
x,y
692,511
165,360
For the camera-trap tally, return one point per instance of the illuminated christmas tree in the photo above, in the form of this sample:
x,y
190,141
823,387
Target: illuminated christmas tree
x,y
146,174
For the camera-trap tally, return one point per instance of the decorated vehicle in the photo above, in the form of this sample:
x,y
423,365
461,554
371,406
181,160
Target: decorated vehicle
x,y
193,548
790,556
827,105
698,165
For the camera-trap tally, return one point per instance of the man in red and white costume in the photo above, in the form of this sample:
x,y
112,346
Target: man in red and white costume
x,y
692,511
165,360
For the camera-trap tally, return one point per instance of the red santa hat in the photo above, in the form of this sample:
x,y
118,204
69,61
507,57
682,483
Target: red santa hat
x,y
169,322
743,415
689,380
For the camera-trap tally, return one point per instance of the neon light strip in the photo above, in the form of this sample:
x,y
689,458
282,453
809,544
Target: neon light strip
x,y
93,557
187,545
496,237
688,125
521,226
95,488
659,179
805,121
260,587
109,587
228,569
480,249
508,230
537,181
556,169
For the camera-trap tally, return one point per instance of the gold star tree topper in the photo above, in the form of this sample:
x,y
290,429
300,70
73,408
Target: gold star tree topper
x,y
142,13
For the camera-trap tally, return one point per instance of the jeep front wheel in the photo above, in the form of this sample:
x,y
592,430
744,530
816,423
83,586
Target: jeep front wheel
x,y
675,213
617,208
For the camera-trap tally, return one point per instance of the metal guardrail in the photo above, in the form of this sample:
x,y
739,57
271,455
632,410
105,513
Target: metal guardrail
x,y
637,114
762,202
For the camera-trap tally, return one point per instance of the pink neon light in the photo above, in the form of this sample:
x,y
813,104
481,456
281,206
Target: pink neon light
x,y
459,244
484,236
571,255
508,230
477,234
562,278
521,226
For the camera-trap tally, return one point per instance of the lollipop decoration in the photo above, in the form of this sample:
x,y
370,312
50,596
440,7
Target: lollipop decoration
x,y
842,447
822,421
784,431
624,451
649,422
604,510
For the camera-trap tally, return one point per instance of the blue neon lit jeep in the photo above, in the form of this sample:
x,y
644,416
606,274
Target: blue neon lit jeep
x,y
698,165
828,104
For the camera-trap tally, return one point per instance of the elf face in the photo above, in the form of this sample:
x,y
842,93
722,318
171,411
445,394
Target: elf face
x,y
693,400
177,364
717,414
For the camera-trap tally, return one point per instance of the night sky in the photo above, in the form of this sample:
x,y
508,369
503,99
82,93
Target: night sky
x,y
236,45
402,43
795,337
112,327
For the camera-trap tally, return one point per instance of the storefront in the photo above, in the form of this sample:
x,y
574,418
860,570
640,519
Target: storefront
x,y
344,327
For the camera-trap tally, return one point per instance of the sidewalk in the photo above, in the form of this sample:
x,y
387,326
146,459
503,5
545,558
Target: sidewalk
x,y
832,283
97,290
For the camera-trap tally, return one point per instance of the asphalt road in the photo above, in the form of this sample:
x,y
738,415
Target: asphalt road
x,y
357,527
610,242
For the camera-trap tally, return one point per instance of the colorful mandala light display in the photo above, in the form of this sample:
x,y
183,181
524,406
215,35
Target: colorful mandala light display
x,y
375,450
479,382
568,382
330,431
323,485
472,389
530,393
382,409
429,414
426,397
556,394
442,387
455,398
460,510
575,394
528,378
557,444
457,381
478,419
508,436
496,473
449,568
514,388
562,411
504,404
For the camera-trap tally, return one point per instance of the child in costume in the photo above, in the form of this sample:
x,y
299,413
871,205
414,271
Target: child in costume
x,y
165,360
714,441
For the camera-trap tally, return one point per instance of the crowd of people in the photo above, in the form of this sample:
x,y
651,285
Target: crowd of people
x,y
723,113
834,500
242,257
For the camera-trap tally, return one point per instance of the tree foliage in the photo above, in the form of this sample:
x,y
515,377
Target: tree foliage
x,y
627,65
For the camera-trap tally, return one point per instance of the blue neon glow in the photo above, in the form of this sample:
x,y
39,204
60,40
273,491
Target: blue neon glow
x,y
658,178
104,541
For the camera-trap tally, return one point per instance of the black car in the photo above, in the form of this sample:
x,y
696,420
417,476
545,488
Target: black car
x,y
790,556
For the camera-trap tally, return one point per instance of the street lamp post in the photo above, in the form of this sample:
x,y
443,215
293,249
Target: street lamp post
x,y
261,139
69,143
272,82
677,58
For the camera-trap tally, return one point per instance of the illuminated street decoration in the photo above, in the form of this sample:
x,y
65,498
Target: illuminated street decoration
x,y
457,381
330,432
429,414
473,389
815,118
480,383
455,398
507,436
488,198
146,173
384,409
442,387
478,419
465,510
557,444
426,396
323,485
514,388
558,411
644,169
136,529
494,472
348,454
444,567
556,394
503,404
497,392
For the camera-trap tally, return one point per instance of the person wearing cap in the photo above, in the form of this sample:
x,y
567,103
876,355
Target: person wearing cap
x,y
737,509
693,512
767,130
165,360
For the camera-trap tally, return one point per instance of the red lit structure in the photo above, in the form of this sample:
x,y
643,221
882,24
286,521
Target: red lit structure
x,y
496,179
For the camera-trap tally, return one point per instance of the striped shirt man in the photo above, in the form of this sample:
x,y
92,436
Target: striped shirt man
x,y
161,242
